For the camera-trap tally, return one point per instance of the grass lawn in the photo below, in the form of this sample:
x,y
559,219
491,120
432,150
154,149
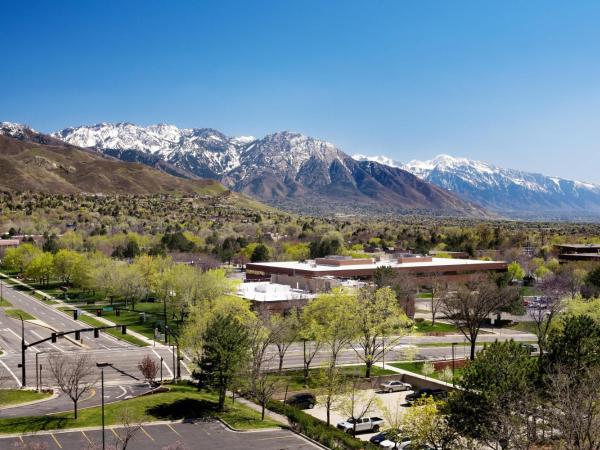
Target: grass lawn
x,y
295,379
182,402
425,327
417,367
528,327
18,314
93,322
424,295
16,396
132,318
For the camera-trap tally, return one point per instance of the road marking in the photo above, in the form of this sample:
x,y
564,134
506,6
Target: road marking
x,y
174,430
21,439
86,437
11,372
124,392
115,433
92,393
56,440
164,363
146,433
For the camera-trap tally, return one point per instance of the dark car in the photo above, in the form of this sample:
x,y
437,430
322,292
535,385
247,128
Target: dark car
x,y
379,437
529,347
438,394
305,400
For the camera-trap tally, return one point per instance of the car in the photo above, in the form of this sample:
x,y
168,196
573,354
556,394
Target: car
x,y
529,347
304,400
399,445
395,386
364,424
438,394
380,437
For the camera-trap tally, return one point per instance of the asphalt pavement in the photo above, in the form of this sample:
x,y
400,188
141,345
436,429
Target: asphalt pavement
x,y
192,435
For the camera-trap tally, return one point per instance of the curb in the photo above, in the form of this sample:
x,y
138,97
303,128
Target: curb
x,y
33,402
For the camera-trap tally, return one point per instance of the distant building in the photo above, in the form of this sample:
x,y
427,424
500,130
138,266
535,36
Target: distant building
x,y
322,274
274,297
459,255
578,252
8,243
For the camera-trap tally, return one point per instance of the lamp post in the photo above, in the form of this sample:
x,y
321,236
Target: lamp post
x,y
38,372
453,345
102,366
23,348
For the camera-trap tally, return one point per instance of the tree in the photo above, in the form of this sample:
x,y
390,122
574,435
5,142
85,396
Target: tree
x,y
331,318
149,369
226,348
19,258
41,268
66,264
543,316
284,330
74,374
427,425
516,271
498,396
439,288
470,305
357,403
378,316
575,407
260,253
331,385
332,243
264,386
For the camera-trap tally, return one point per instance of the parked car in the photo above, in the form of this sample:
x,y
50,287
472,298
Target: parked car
x,y
529,347
304,400
395,386
438,394
379,437
372,424
402,444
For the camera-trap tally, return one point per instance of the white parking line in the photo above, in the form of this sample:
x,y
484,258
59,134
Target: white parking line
x,y
124,392
11,372
165,364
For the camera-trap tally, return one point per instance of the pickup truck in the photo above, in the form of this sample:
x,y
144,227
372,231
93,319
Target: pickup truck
x,y
362,425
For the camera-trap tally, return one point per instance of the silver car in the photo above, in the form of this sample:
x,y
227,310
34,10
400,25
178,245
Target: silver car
x,y
395,386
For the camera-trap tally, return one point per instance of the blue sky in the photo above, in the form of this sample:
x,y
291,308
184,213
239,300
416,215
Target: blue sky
x,y
516,83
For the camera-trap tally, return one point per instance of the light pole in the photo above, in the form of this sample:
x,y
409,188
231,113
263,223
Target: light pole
x,y
453,345
102,366
161,364
23,348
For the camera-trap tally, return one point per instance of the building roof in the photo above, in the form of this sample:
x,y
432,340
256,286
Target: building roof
x,y
428,264
271,292
9,242
580,246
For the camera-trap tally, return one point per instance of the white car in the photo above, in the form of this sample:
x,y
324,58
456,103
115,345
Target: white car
x,y
403,443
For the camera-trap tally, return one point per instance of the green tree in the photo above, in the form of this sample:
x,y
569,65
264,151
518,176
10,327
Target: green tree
x,y
427,425
516,271
41,268
260,253
498,396
380,323
66,264
19,258
331,385
330,316
226,350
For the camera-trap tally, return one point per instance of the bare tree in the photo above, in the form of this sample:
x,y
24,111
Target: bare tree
x,y
264,387
127,432
357,403
439,288
284,331
575,411
74,374
149,369
470,305
544,314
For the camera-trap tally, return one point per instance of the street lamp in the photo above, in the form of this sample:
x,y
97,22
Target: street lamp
x,y
38,372
102,366
23,348
453,345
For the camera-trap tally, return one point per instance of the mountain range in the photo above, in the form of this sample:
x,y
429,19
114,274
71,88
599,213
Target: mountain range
x,y
284,169
510,192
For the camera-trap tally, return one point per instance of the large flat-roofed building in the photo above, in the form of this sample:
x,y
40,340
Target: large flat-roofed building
x,y
316,275
578,252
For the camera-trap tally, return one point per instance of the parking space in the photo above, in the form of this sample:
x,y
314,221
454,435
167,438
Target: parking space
x,y
389,401
193,435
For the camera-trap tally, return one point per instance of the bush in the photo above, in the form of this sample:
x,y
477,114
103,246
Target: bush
x,y
318,430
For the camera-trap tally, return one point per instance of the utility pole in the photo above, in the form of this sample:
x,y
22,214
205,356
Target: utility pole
x,y
102,366
23,348
453,345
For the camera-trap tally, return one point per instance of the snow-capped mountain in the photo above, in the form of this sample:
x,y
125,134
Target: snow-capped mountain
x,y
286,169
505,190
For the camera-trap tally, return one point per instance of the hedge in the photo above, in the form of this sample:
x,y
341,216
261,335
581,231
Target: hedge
x,y
318,430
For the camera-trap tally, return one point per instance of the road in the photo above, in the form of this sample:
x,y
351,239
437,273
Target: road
x,y
192,435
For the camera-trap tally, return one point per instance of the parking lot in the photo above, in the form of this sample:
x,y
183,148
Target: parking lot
x,y
192,435
389,401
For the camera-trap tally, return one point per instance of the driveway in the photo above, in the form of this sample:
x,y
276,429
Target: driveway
x,y
387,401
